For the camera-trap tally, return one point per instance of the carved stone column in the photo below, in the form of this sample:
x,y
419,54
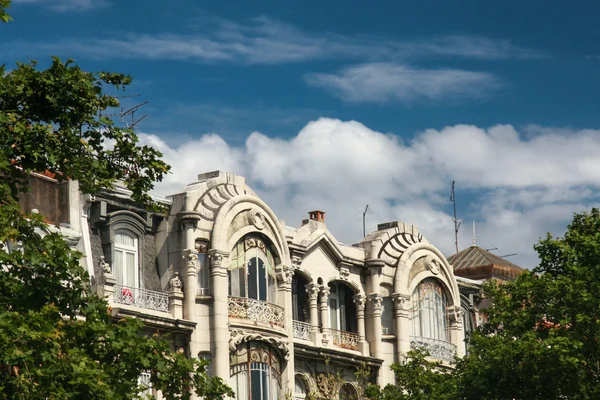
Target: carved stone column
x,y
109,281
190,282
401,324
363,346
313,295
457,333
324,308
176,297
219,260
375,301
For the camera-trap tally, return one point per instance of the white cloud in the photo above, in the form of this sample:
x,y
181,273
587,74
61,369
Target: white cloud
x,y
266,41
67,5
383,82
516,188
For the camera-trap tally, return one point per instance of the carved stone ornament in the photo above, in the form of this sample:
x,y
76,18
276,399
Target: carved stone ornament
x,y
175,283
344,273
257,219
288,274
432,265
325,294
296,261
216,259
360,300
105,266
326,385
201,247
238,336
190,258
377,300
400,302
313,291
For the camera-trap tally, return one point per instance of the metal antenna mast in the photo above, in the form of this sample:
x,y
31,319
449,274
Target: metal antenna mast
x,y
457,221
364,221
129,112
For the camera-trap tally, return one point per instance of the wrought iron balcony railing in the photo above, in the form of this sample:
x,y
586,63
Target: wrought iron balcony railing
x,y
142,298
438,349
257,311
301,330
345,340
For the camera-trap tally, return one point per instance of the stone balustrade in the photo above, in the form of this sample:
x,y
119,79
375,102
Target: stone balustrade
x,y
438,349
344,340
256,310
301,330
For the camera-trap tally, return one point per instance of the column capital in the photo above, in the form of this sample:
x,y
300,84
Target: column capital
x,y
219,261
325,292
376,300
360,300
190,257
312,289
401,304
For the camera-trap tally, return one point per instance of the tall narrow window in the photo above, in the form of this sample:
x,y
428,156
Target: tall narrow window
x,y
342,310
428,311
387,316
125,267
252,270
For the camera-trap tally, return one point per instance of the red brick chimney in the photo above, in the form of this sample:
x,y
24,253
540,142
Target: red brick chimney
x,y
317,215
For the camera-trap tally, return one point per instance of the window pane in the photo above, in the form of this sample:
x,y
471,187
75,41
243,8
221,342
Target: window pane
x,y
255,385
333,313
118,266
262,280
252,279
130,270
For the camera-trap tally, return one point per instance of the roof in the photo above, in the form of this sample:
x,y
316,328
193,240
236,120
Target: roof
x,y
477,263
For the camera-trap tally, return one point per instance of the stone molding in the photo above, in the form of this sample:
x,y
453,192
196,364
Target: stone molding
x,y
238,336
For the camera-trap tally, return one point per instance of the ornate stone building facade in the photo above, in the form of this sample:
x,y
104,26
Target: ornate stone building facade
x,y
280,311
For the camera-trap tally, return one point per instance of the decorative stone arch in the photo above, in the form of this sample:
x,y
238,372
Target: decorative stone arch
x,y
437,267
353,386
308,380
239,204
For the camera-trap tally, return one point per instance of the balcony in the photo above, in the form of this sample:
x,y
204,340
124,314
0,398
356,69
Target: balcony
x,y
142,298
345,340
256,311
438,349
301,330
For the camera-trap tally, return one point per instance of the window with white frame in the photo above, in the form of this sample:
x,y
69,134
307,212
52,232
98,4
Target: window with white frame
x,y
428,315
252,270
126,259
342,310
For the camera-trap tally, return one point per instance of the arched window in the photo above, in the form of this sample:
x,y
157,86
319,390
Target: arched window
x,y
255,372
252,270
348,392
299,388
428,311
126,264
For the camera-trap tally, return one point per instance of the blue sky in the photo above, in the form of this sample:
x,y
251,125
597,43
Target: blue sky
x,y
500,96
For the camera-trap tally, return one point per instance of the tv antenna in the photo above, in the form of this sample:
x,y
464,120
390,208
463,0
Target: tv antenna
x,y
456,221
499,251
129,112
364,221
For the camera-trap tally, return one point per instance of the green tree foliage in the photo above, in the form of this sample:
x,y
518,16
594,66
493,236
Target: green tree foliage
x,y
417,378
542,336
58,341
